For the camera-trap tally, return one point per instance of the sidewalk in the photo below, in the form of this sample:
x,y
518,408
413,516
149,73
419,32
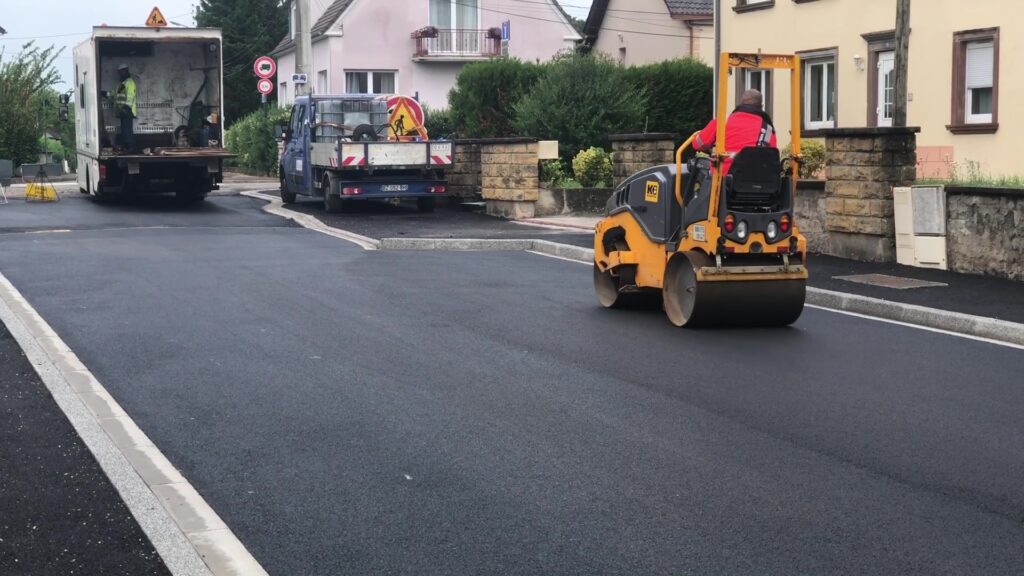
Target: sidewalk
x,y
59,514
950,292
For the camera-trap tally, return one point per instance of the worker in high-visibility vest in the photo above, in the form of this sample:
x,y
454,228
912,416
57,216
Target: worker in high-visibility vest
x,y
125,107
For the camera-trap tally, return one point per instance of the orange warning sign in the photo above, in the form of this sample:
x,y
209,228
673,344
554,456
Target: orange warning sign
x,y
156,19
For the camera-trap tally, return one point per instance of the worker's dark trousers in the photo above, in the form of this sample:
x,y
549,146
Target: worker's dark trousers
x,y
128,132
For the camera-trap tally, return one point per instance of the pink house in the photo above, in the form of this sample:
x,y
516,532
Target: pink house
x,y
418,47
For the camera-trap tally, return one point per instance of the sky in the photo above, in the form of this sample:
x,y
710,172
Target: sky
x,y
65,23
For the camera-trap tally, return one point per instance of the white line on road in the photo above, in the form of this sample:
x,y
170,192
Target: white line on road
x,y
190,537
276,207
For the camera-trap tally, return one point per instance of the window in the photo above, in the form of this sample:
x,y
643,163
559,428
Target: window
x,y
282,94
978,79
321,82
370,82
760,80
455,14
751,5
622,55
819,80
975,102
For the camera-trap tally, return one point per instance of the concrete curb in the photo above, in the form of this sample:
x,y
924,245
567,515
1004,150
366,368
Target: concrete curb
x,y
966,324
979,326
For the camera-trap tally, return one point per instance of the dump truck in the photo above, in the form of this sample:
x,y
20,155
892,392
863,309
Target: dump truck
x,y
179,111
352,148
716,247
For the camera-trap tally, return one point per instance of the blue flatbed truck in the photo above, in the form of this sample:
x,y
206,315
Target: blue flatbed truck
x,y
344,149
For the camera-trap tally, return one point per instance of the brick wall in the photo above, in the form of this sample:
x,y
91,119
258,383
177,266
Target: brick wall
x,y
864,164
510,177
464,175
632,153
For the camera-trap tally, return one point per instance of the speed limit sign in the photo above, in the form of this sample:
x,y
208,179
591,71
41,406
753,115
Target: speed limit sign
x,y
265,86
265,67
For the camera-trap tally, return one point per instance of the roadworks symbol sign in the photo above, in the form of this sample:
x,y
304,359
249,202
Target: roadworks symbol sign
x,y
156,19
651,193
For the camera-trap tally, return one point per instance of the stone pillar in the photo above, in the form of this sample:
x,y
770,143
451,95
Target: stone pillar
x,y
510,176
464,175
864,164
632,153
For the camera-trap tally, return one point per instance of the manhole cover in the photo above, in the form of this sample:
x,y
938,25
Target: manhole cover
x,y
887,281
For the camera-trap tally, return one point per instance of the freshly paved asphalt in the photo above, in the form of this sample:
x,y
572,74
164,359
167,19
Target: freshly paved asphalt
x,y
351,412
58,512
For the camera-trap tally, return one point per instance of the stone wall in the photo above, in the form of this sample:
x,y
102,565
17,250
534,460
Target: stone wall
x,y
632,153
510,177
464,176
809,211
985,232
864,164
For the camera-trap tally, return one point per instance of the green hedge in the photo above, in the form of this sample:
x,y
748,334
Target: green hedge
x,y
252,139
485,94
580,100
681,94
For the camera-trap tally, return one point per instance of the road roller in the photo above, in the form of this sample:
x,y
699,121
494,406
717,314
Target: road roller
x,y
716,248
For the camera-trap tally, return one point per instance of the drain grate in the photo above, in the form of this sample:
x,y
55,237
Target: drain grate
x,y
887,281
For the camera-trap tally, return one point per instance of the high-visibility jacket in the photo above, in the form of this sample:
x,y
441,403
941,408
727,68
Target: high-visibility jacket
x,y
126,95
742,130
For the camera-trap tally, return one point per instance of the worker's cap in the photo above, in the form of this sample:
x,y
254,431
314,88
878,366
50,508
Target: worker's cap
x,y
122,67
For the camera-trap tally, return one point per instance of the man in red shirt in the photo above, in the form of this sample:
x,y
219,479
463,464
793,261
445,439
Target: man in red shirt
x,y
747,126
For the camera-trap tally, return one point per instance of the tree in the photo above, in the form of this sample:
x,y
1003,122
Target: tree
x,y
23,81
579,101
251,28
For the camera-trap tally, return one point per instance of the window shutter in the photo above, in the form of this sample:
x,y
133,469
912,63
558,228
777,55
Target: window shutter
x,y
980,56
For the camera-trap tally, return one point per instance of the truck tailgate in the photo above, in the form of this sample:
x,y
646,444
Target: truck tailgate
x,y
391,154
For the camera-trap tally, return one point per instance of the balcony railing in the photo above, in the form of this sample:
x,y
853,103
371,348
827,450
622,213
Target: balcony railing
x,y
438,44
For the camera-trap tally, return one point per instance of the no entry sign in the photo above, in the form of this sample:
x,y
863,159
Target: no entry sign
x,y
265,67
265,86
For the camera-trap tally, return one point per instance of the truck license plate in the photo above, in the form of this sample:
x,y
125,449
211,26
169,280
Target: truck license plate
x,y
394,188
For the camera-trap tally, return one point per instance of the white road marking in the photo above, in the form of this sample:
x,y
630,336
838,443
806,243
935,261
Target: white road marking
x,y
188,534
918,326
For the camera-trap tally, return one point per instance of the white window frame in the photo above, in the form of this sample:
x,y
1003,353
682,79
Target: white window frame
x,y
880,118
369,81
823,61
454,5
970,118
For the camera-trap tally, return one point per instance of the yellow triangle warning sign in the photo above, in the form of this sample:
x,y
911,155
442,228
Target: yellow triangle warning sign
x,y
156,19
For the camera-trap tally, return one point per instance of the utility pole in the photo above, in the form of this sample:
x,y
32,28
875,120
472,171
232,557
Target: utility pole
x,y
303,45
899,114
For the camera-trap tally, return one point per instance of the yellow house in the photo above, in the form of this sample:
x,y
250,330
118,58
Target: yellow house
x,y
961,53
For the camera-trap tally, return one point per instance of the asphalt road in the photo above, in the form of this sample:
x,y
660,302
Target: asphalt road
x,y
351,412
58,512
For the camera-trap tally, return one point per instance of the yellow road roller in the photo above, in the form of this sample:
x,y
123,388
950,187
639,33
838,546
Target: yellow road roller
x,y
719,249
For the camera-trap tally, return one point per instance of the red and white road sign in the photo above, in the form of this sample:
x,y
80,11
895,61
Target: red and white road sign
x,y
265,86
265,67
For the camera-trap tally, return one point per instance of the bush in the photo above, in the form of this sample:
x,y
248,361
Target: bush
x,y
681,95
553,172
580,101
485,94
593,168
252,139
440,124
813,154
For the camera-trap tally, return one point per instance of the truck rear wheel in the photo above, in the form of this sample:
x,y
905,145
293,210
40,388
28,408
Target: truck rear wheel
x,y
286,196
333,203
